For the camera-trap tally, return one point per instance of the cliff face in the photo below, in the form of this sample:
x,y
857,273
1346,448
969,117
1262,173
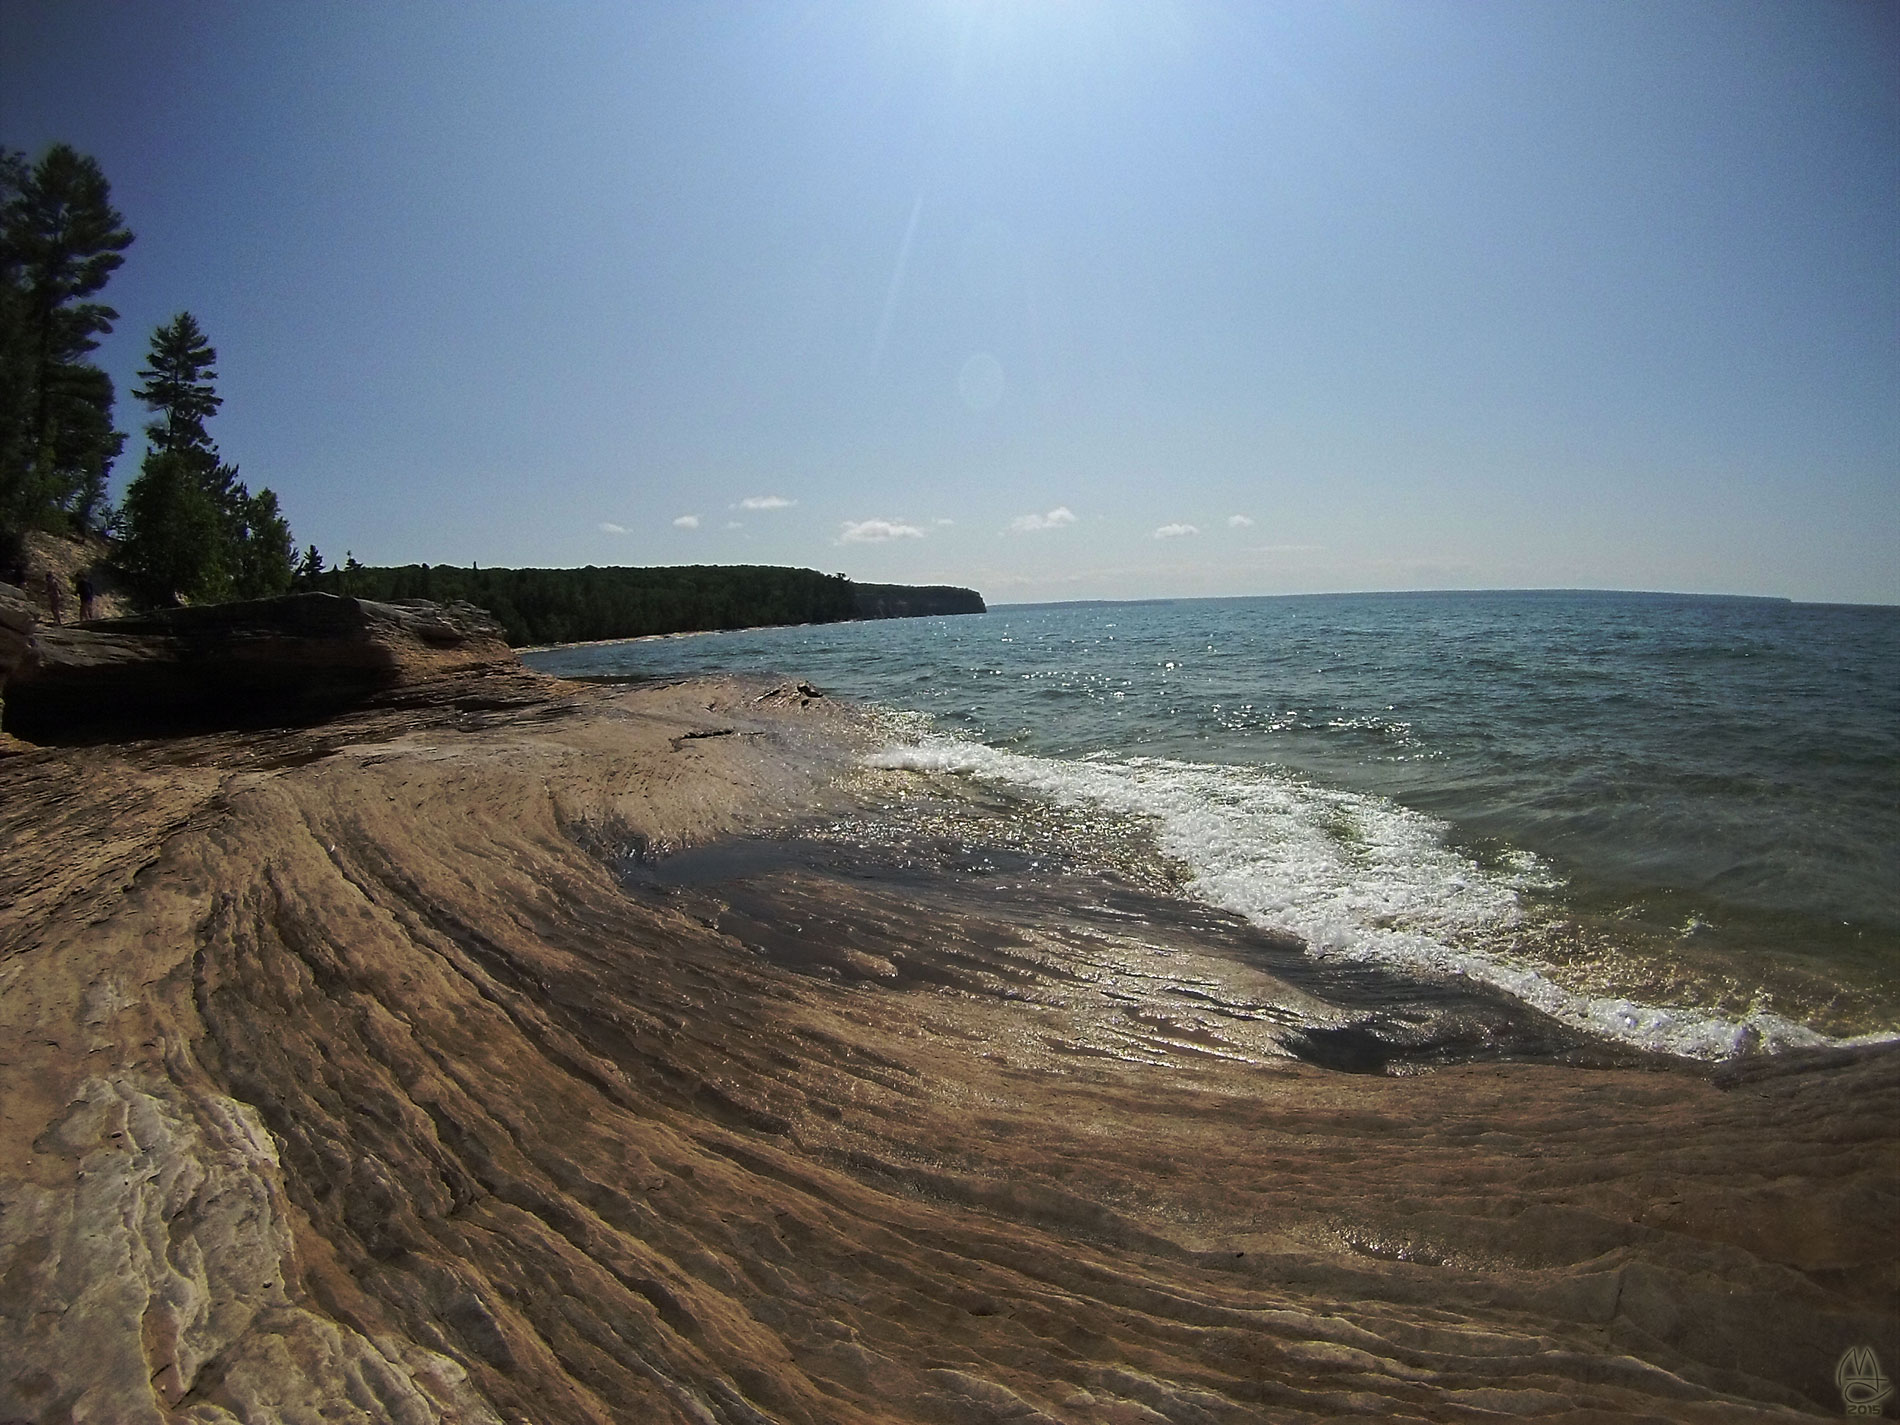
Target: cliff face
x,y
224,665
17,622
356,1071
914,601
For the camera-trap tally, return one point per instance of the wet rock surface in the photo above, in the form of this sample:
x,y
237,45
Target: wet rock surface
x,y
348,1074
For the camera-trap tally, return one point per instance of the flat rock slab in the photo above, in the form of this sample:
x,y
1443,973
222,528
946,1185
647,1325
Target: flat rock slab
x,y
252,663
346,1074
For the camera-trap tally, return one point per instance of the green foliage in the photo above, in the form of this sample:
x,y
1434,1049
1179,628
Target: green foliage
x,y
175,542
16,349
178,385
81,441
266,553
193,530
914,600
577,605
60,241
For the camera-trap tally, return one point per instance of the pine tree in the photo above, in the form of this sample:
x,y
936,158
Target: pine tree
x,y
310,569
178,386
176,542
16,354
60,241
83,441
266,553
192,528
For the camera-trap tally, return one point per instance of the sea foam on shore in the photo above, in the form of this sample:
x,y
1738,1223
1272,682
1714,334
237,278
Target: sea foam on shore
x,y
406,1065
1356,877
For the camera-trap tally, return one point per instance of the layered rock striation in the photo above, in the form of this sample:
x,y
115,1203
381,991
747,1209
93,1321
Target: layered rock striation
x,y
257,662
363,1071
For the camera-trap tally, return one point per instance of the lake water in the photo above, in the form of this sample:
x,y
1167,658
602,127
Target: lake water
x,y
1671,821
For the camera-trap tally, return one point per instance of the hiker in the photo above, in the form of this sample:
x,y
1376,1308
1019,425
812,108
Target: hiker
x,y
55,601
83,583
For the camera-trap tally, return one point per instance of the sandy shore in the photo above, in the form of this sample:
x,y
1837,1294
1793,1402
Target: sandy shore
x,y
345,1071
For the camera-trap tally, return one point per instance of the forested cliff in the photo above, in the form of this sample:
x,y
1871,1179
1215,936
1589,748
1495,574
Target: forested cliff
x,y
580,605
908,601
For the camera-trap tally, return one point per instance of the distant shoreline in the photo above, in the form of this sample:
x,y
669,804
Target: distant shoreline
x,y
658,637
1433,594
541,607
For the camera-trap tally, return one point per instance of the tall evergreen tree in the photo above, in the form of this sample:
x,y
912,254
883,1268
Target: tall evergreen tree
x,y
176,544
266,552
60,241
16,351
83,441
309,568
179,386
192,527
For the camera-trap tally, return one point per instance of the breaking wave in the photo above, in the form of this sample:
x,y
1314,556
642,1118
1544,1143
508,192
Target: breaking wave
x,y
1356,876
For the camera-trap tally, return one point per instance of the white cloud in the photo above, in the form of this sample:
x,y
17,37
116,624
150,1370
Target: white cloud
x,y
1175,531
1239,522
877,532
1055,519
608,528
686,522
734,524
766,502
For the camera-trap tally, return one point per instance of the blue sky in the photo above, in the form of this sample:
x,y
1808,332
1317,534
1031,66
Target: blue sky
x,y
1059,300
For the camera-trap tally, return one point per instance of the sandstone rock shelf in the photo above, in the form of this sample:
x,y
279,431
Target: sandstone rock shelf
x,y
348,1075
256,662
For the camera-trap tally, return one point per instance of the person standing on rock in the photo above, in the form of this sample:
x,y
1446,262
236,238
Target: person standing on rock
x,y
82,582
55,601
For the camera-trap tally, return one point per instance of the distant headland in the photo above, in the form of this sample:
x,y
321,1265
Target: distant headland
x,y
540,606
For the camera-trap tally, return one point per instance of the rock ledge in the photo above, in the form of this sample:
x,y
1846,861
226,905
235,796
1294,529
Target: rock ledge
x,y
257,662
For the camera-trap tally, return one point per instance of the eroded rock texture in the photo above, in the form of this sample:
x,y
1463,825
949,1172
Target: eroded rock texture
x,y
346,1077
16,629
251,663
16,642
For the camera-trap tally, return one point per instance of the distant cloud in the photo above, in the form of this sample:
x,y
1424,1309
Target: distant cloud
x,y
607,528
766,502
1055,519
1239,522
734,524
943,522
877,532
686,522
1175,531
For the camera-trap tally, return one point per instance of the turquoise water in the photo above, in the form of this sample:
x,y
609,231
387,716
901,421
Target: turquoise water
x,y
1674,820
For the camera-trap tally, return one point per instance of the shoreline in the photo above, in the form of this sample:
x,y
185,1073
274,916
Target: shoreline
x,y
477,1099
661,637
1699,893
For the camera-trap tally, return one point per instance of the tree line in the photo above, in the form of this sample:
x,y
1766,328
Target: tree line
x,y
581,605
189,528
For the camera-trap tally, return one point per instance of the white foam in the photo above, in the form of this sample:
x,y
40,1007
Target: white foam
x,y
1357,877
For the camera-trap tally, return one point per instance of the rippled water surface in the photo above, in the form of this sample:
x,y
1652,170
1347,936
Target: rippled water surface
x,y
1675,820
